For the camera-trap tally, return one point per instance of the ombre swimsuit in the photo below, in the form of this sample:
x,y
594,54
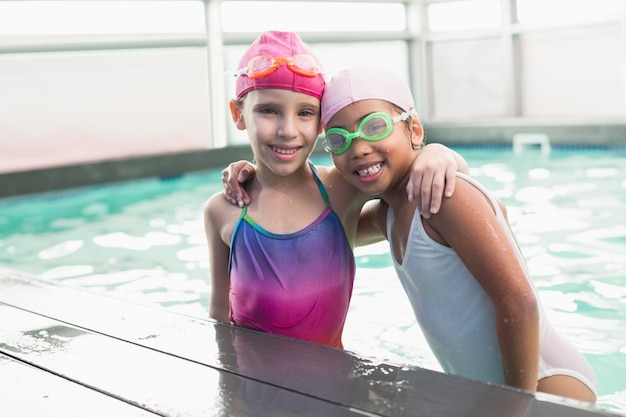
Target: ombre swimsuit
x,y
297,284
458,318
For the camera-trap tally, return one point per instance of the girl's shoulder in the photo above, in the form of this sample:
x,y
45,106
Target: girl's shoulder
x,y
219,211
470,191
345,199
335,183
338,188
322,170
469,203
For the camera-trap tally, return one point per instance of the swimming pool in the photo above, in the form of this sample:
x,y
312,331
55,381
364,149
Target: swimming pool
x,y
143,240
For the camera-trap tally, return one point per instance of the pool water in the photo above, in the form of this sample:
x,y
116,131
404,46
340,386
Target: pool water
x,y
144,241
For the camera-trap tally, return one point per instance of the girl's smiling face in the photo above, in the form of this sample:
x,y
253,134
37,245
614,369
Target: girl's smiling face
x,y
282,126
378,167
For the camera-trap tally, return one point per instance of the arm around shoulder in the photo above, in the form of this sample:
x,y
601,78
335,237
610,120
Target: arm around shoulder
x,y
372,223
433,177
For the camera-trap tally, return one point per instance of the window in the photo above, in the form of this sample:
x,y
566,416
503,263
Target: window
x,y
464,15
100,17
568,11
311,16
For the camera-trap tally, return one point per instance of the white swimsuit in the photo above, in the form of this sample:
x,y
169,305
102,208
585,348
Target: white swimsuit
x,y
457,317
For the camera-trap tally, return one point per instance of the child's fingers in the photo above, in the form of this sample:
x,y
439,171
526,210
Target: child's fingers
x,y
450,182
234,176
409,189
232,200
244,175
232,197
419,190
232,188
442,187
436,194
244,198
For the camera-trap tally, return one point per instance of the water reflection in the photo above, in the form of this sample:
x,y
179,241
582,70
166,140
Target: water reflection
x,y
267,379
289,368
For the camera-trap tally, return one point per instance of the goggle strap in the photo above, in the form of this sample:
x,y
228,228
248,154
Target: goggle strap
x,y
289,62
403,116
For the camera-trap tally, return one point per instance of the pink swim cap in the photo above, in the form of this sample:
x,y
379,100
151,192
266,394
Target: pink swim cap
x,y
279,45
364,83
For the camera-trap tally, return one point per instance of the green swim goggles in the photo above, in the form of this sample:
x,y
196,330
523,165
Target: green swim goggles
x,y
374,127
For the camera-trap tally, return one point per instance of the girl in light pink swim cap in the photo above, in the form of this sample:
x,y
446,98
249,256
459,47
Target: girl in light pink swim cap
x,y
461,268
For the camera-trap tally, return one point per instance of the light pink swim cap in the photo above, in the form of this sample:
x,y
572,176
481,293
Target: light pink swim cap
x,y
364,83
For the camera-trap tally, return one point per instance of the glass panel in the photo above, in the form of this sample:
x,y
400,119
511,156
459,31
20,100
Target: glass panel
x,y
100,17
572,73
77,107
568,11
468,80
311,16
335,57
464,15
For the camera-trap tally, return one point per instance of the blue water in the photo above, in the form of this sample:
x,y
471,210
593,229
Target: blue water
x,y
143,241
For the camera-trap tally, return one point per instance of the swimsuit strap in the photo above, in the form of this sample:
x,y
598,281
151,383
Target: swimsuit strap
x,y
320,185
245,209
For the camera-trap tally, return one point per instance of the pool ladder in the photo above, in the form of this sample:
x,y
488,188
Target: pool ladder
x,y
523,141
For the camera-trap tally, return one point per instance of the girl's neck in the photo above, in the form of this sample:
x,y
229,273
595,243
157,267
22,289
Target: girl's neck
x,y
268,178
285,204
396,196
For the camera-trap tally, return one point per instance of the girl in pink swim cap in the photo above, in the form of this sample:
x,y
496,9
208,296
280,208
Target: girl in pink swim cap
x,y
282,261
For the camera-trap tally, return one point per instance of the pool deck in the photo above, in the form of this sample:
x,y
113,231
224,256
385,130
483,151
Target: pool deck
x,y
67,352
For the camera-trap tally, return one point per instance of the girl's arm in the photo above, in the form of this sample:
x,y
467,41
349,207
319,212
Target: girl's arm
x,y
433,176
467,223
372,226
219,252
